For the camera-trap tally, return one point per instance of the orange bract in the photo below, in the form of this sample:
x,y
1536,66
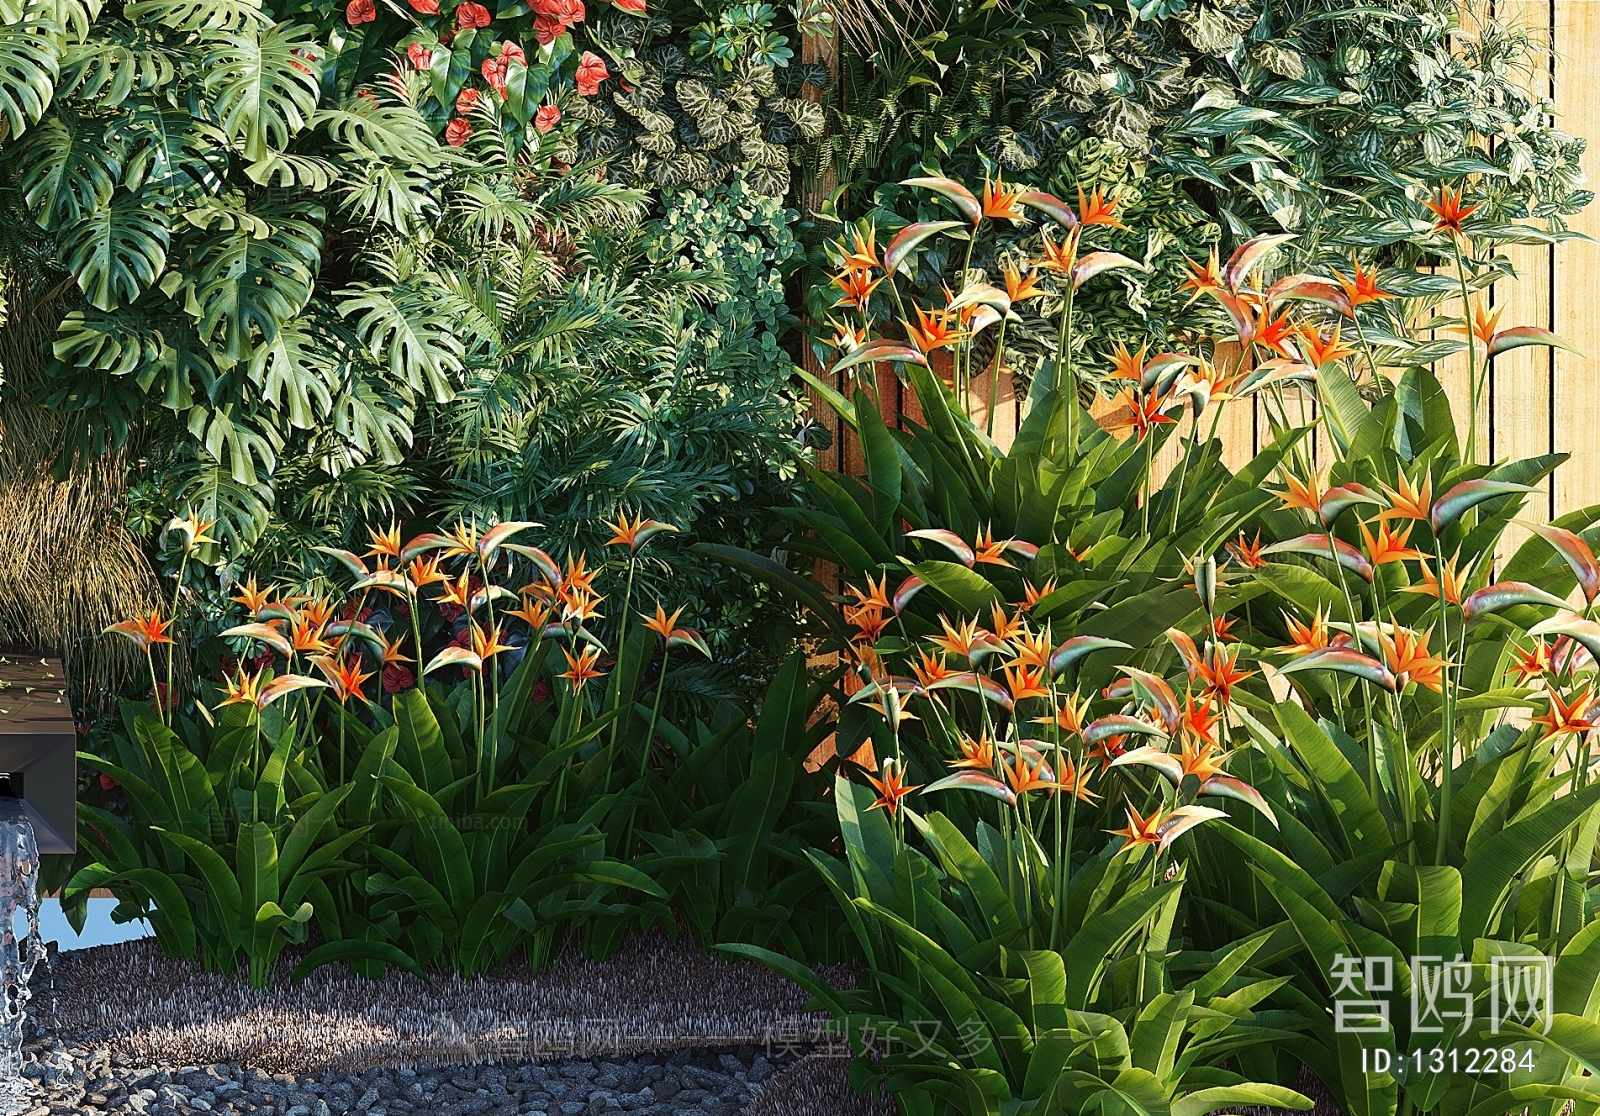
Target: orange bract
x,y
1306,495
1025,682
385,544
1449,212
1362,287
581,669
253,598
856,287
1019,288
1058,257
1031,596
1306,638
1023,776
1388,546
977,754
1530,663
891,788
959,641
1247,554
1220,672
1097,210
1200,719
930,669
1430,583
1407,502
863,256
1126,365
1200,280
1318,350
344,677
1565,716
1140,831
933,330
1000,202
1406,654
145,632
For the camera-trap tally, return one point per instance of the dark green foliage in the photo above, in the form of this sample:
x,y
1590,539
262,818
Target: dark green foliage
x,y
245,837
1210,122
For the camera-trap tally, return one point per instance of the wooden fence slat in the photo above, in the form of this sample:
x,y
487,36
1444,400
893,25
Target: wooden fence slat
x,y
1575,402
1520,380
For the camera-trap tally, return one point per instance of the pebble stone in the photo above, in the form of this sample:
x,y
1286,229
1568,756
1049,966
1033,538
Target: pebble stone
x,y
77,1079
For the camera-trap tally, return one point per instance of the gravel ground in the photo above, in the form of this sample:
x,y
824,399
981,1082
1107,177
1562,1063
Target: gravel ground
x,y
653,995
74,1079
660,1029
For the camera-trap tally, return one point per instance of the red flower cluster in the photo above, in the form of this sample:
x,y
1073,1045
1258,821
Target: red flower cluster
x,y
419,55
553,17
546,118
496,67
397,678
466,101
470,16
358,12
456,134
591,72
635,6
425,7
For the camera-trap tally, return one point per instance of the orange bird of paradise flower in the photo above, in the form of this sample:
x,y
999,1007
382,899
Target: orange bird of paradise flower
x,y
581,669
1449,212
1098,210
1565,716
635,534
145,632
933,330
1361,288
891,788
344,677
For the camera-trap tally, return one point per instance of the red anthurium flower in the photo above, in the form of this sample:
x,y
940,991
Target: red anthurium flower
x,y
470,16
635,6
424,7
546,118
511,52
591,72
358,12
457,132
467,100
397,678
419,56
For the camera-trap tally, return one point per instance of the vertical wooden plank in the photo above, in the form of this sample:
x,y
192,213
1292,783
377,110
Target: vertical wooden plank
x,y
1236,428
1519,384
1575,398
1453,373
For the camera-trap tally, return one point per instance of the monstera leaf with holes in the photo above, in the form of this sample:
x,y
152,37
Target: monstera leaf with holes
x,y
197,239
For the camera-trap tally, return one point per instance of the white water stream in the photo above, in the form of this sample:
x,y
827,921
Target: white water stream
x,y
19,891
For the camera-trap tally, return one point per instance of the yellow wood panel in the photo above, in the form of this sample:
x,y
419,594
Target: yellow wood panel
x,y
1576,402
1453,374
1520,379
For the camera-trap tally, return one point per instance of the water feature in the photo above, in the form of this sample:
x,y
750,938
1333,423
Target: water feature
x,y
19,891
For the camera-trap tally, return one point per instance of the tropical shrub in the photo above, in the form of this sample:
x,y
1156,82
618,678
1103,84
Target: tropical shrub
x,y
1336,660
499,805
1210,123
665,94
